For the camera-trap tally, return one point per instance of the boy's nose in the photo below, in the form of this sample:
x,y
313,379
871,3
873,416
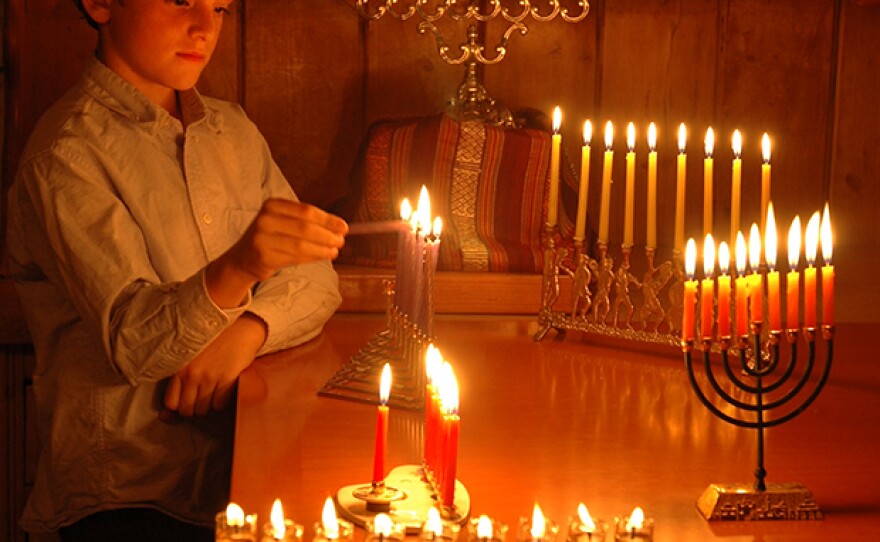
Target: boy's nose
x,y
205,23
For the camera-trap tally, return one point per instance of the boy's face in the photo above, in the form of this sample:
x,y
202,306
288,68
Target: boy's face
x,y
160,46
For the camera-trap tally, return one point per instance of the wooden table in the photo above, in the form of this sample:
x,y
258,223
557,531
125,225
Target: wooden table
x,y
561,422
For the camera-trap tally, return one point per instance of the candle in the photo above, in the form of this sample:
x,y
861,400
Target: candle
x,y
606,184
233,525
792,279
690,292
581,223
756,286
281,528
555,144
584,528
451,423
382,426
382,528
435,528
773,274
629,209
723,291
742,284
433,365
652,186
827,271
425,318
332,528
811,246
735,187
485,529
538,529
765,179
404,240
707,182
681,175
707,295
635,527
422,229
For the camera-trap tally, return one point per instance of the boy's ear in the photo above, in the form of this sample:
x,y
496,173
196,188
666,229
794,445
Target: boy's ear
x,y
99,10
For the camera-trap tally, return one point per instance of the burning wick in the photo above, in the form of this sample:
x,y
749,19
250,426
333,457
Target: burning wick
x,y
382,525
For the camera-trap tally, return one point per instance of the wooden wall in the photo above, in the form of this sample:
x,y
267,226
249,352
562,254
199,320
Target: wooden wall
x,y
314,77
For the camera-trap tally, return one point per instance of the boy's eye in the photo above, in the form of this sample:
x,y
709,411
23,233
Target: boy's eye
x,y
222,10
180,2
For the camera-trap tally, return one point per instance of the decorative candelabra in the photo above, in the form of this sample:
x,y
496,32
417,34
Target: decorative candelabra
x,y
472,100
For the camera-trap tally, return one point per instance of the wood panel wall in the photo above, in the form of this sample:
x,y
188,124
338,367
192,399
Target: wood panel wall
x,y
314,76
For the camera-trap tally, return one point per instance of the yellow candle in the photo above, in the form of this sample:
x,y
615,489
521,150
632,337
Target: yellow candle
x,y
681,175
707,297
735,185
742,285
792,280
811,245
581,224
765,180
827,271
606,184
707,183
756,280
652,187
629,210
556,142
772,275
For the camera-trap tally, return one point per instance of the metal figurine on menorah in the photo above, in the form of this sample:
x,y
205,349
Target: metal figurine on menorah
x,y
764,388
472,100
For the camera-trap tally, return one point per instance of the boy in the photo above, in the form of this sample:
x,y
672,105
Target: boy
x,y
157,250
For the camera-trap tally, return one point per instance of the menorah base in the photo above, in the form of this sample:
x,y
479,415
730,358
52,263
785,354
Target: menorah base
x,y
742,502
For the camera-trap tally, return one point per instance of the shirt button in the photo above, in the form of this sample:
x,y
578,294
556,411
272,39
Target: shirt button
x,y
207,218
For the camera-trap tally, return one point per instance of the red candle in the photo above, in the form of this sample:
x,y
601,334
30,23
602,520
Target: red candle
x,y
382,426
433,363
756,280
792,280
723,291
742,284
452,422
810,248
690,292
707,296
827,271
773,274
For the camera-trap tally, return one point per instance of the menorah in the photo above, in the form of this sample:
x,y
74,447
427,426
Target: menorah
x,y
472,100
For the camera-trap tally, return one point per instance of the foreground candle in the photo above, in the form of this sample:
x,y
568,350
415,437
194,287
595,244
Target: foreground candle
x,y
635,527
811,246
681,176
756,285
652,186
708,182
772,275
451,423
555,144
605,208
332,528
584,528
485,529
742,285
792,279
435,529
382,426
382,528
232,525
538,529
281,528
690,292
707,297
723,291
629,209
827,271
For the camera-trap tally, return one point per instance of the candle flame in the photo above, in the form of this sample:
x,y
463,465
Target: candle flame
x,y
382,525
682,138
424,210
723,258
234,515
708,255
586,521
438,226
588,132
794,243
385,384
449,390
630,136
557,119
276,518
538,529
635,520
405,209
765,148
741,254
826,236
329,521
652,137
710,142
811,244
433,524
484,527
737,144
690,258
609,135
754,248
433,364
770,238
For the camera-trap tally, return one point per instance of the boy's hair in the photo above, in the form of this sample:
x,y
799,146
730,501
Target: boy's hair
x,y
79,6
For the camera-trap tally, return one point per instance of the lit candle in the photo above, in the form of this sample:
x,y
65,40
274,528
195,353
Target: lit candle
x,y
690,292
435,528
635,527
756,286
765,179
584,528
681,175
811,246
332,528
735,187
772,275
827,271
555,144
707,295
451,423
742,285
433,365
233,525
383,528
723,291
432,255
606,184
652,186
792,279
708,182
581,223
485,529
422,218
281,528
629,210
404,240
538,529
382,426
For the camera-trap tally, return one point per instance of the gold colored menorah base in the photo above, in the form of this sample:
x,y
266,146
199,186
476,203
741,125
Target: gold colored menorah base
x,y
742,502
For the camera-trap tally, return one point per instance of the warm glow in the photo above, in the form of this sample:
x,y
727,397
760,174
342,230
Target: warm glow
x,y
276,518
827,249
690,258
438,226
636,519
609,135
754,248
708,256
682,138
448,389
741,254
737,144
433,524
587,523
234,515
385,384
588,132
538,528
405,209
811,243
484,528
652,137
723,258
794,244
770,238
423,210
630,137
433,364
557,119
329,521
765,148
382,525
710,142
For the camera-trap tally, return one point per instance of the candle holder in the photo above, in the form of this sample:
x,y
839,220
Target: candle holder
x,y
378,497
448,532
293,532
345,532
486,529
777,395
578,532
625,532
242,528
391,531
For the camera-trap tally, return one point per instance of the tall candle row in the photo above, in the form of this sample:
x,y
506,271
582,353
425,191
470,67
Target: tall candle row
x,y
442,425
417,257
